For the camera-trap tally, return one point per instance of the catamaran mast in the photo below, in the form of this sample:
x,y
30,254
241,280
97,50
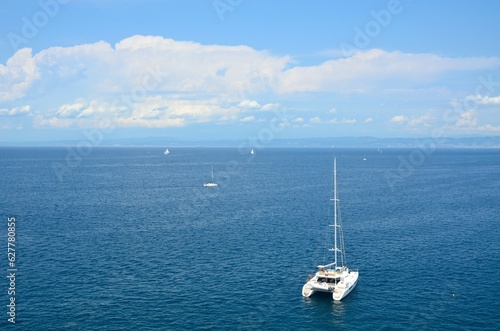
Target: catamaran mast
x,y
336,214
335,205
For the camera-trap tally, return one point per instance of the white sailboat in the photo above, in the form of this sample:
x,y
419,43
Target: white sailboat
x,y
166,152
252,152
211,183
335,277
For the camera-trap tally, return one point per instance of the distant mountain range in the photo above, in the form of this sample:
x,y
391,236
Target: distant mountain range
x,y
353,142
369,142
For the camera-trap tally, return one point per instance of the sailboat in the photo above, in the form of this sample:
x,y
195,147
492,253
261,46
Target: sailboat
x,y
252,152
211,183
335,277
166,152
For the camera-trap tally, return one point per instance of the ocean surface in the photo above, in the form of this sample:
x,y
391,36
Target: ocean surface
x,y
128,239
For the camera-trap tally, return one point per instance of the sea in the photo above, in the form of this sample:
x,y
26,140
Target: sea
x,y
129,239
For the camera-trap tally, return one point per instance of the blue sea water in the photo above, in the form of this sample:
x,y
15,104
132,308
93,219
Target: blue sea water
x,y
128,239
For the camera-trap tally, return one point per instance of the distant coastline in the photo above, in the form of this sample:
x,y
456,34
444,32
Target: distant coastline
x,y
340,142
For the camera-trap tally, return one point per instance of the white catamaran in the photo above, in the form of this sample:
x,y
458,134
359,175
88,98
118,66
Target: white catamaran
x,y
334,277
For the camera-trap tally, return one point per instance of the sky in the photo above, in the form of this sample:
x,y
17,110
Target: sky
x,y
234,69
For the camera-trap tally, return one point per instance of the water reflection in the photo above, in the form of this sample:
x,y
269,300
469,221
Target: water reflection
x,y
323,306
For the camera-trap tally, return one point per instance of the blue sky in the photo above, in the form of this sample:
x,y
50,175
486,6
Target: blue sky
x,y
233,69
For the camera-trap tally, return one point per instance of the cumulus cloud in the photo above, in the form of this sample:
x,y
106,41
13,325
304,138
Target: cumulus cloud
x,y
254,105
270,106
484,100
71,110
399,119
489,128
142,63
151,81
342,120
152,112
18,75
250,118
364,69
412,121
468,122
249,104
52,122
315,120
424,119
16,111
467,119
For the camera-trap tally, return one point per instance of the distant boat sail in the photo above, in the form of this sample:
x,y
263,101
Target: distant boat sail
x,y
211,183
252,152
166,152
334,277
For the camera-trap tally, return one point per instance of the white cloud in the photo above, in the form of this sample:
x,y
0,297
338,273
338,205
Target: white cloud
x,y
467,119
250,118
16,111
270,106
468,122
298,120
368,68
249,104
150,123
253,104
424,119
188,66
489,128
54,122
71,110
343,121
152,81
153,112
399,119
413,121
151,63
141,64
18,75
484,100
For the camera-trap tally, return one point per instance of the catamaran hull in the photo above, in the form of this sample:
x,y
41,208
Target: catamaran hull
x,y
313,286
339,290
343,289
307,290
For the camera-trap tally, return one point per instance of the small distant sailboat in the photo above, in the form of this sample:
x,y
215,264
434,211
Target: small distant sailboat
x,y
364,158
211,183
335,277
252,152
166,152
